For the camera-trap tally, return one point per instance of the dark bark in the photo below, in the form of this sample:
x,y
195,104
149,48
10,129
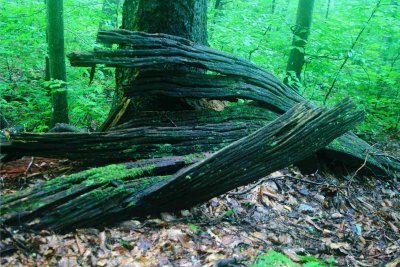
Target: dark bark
x,y
110,194
153,51
328,7
241,79
167,134
301,32
273,6
184,18
55,32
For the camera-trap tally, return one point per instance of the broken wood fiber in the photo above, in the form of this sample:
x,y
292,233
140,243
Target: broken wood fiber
x,y
111,194
231,77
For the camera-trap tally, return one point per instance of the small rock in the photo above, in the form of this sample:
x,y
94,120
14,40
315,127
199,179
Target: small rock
x,y
305,208
336,215
304,192
168,217
185,213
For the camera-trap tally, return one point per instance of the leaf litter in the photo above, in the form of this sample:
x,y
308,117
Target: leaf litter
x,y
354,221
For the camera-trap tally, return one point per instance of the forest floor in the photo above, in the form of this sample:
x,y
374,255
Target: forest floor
x,y
356,221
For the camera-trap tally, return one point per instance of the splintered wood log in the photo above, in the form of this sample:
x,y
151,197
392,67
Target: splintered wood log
x,y
98,188
155,51
158,134
151,135
110,194
241,79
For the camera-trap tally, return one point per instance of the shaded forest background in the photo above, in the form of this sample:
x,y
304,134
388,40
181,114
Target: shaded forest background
x,y
258,30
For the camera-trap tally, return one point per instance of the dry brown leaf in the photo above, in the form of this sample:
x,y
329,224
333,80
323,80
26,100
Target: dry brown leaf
x,y
285,239
336,215
309,221
394,263
393,227
68,262
273,238
103,240
291,254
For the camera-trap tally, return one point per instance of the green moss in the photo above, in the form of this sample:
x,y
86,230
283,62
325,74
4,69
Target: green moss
x,y
165,148
130,150
336,144
188,159
74,183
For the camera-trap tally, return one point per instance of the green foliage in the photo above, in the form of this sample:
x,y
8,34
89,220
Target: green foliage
x,y
194,227
25,96
273,258
246,28
372,74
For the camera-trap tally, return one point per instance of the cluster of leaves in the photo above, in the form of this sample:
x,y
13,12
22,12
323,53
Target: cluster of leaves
x,y
273,258
25,96
371,75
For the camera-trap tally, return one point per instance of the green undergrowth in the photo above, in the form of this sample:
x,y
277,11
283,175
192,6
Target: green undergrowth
x,y
273,259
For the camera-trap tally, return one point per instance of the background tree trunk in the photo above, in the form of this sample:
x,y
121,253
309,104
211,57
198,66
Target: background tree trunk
x,y
301,32
55,31
110,19
328,9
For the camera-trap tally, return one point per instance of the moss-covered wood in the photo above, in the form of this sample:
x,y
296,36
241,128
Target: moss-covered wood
x,y
240,78
112,193
297,134
76,199
154,51
156,134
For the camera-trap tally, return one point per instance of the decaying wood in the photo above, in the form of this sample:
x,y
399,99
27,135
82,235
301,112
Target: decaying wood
x,y
158,134
240,79
154,51
110,194
151,135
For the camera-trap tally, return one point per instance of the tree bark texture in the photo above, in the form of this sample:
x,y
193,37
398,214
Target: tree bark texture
x,y
238,79
153,134
184,18
301,31
55,34
113,193
151,52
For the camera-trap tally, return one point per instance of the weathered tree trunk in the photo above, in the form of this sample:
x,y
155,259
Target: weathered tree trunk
x,y
239,79
300,37
110,194
156,140
184,18
55,33
151,52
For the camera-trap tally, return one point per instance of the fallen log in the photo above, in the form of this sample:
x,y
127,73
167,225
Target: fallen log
x,y
158,134
152,52
242,79
148,136
110,194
